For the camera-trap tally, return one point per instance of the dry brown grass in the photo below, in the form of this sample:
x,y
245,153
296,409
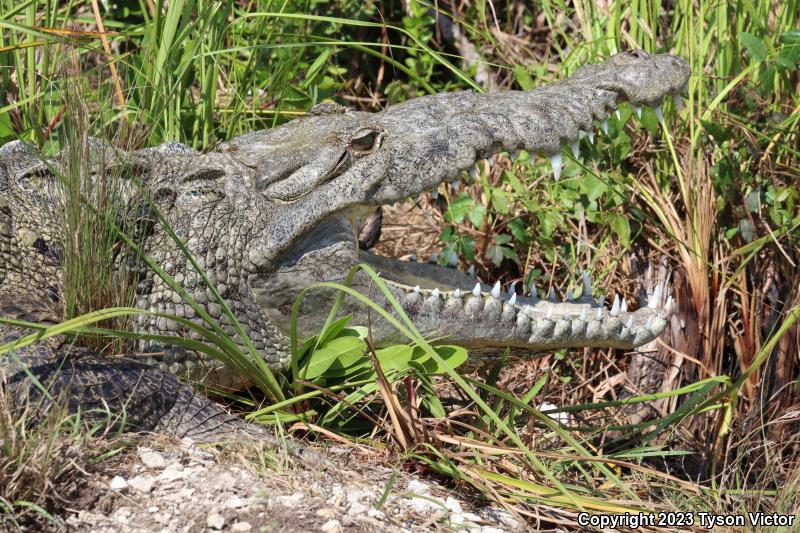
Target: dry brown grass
x,y
44,461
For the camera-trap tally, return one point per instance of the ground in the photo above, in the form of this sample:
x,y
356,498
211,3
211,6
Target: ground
x,y
188,488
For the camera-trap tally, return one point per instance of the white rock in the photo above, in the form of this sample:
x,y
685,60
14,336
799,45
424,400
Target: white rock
x,y
225,481
172,472
241,526
291,500
185,493
425,506
331,526
326,513
122,515
235,503
357,509
418,487
118,483
453,504
215,521
142,483
152,459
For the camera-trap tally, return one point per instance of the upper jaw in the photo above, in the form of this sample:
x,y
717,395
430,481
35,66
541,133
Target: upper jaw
x,y
433,139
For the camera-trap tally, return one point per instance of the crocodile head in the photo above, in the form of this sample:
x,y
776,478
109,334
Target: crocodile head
x,y
315,175
271,213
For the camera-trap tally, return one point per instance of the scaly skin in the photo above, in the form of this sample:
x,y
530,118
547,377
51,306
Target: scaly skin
x,y
271,212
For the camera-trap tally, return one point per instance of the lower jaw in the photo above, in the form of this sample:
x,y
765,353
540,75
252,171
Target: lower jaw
x,y
448,305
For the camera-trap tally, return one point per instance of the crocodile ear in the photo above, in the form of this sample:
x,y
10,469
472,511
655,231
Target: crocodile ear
x,y
164,197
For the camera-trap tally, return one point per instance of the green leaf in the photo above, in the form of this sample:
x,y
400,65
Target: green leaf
x,y
593,186
523,78
718,131
476,215
395,357
791,37
620,226
500,201
341,352
459,208
755,46
454,356
495,254
788,56
518,230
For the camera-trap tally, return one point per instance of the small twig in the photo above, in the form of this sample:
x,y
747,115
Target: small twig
x,y
53,123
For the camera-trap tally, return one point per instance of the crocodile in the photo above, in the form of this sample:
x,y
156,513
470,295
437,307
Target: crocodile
x,y
268,214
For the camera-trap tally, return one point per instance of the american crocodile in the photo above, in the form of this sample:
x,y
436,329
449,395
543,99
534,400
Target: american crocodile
x,y
272,212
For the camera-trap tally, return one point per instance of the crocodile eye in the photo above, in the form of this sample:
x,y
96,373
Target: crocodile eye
x,y
203,194
366,141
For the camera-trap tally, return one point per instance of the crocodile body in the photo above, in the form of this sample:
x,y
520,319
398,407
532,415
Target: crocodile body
x,y
272,212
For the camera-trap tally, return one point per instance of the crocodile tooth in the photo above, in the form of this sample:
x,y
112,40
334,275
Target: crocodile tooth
x,y
615,306
456,185
599,315
583,315
433,258
618,114
457,293
549,314
556,162
652,302
590,135
649,323
435,194
576,149
552,294
629,323
490,160
604,126
512,288
570,295
587,284
416,289
473,173
452,259
435,292
678,101
471,271
660,114
639,111
624,307
667,307
477,290
513,299
496,290
602,301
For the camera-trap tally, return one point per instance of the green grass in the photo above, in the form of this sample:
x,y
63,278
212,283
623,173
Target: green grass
x,y
714,190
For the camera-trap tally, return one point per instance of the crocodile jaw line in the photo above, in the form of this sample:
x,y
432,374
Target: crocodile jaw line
x,y
433,139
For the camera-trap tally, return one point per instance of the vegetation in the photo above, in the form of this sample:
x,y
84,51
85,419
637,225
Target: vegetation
x,y
713,190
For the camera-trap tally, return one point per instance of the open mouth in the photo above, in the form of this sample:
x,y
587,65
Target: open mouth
x,y
451,303
436,139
